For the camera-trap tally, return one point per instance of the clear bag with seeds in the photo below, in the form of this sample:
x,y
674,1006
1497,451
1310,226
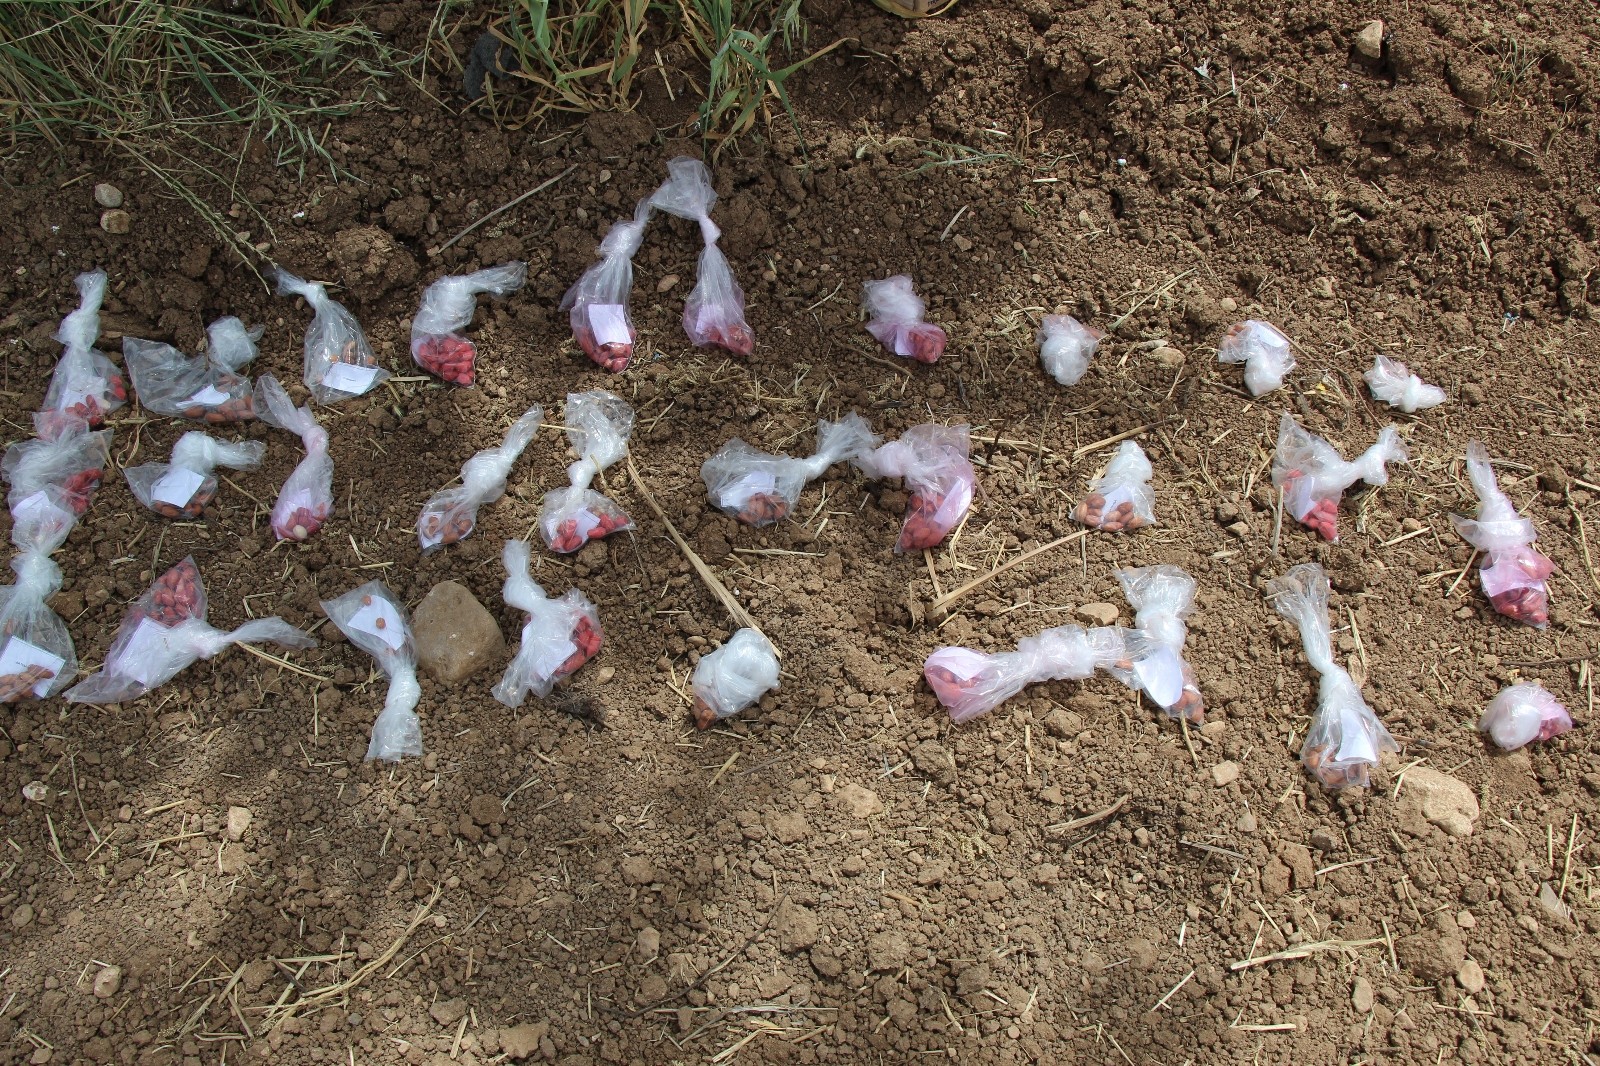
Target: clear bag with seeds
x,y
306,499
713,316
451,514
1066,346
599,424
895,317
1523,714
1314,476
438,344
36,653
74,461
558,637
182,487
1266,353
1162,597
376,622
759,488
1393,382
339,363
933,461
1514,572
86,386
230,344
733,677
971,683
597,304
1121,499
170,383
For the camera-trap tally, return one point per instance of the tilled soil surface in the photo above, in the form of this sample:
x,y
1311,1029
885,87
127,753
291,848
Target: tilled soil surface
x,y
840,875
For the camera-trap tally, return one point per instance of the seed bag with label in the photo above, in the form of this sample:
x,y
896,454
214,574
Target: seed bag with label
x,y
376,623
1266,353
597,304
1162,597
1121,499
230,344
86,386
339,361
183,487
1393,382
713,316
895,318
36,653
1314,476
306,499
170,383
450,514
759,488
1513,572
733,677
437,343
1066,346
1522,714
599,424
933,461
164,631
971,683
558,637
74,461
1345,737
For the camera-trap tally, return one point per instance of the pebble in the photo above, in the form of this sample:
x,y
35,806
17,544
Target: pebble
x,y
107,195
455,636
522,1041
1444,801
1369,39
666,283
1099,614
1470,976
238,822
1225,773
1246,822
1361,995
22,917
859,801
118,222
1167,356
448,1011
107,981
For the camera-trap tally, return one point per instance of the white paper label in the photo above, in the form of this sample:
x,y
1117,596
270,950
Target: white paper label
x,y
1356,745
609,324
756,483
964,663
550,654
381,620
177,487
147,652
587,522
955,504
209,396
39,511
345,377
19,655
1160,674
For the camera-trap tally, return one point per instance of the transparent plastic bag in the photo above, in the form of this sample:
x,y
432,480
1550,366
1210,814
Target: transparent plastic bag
x,y
1120,499
74,461
1393,382
1522,714
1345,738
437,343
713,316
1066,346
182,488
376,623
1513,572
1266,353
597,304
759,488
37,658
170,383
164,632
230,344
451,514
1162,597
895,318
306,499
733,677
933,461
558,637
972,683
1314,476
339,363
86,386
599,424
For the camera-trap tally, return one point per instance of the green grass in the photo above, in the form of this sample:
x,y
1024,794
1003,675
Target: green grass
x,y
576,55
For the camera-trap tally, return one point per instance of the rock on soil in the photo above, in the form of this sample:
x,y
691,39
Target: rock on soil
x,y
1441,799
455,636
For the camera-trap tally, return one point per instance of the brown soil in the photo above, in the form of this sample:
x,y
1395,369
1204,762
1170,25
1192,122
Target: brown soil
x,y
840,875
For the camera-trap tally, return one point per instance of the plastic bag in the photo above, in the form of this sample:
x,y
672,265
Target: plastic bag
x,y
1393,382
1066,346
1120,499
1266,353
450,514
733,677
86,386
306,499
36,654
437,344
971,683
713,316
759,488
558,637
339,361
895,318
376,623
1162,597
1314,476
170,383
599,424
1345,737
230,344
74,461
598,302
1522,714
183,487
164,631
1514,571
933,461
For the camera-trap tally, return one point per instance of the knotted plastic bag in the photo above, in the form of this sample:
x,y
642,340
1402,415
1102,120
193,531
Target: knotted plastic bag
x,y
450,514
1345,738
306,499
1120,499
173,384
733,677
759,488
1393,382
1522,714
597,304
971,683
437,343
714,313
1314,476
339,363
182,487
1513,572
558,637
74,461
166,630
895,318
376,623
933,461
230,344
1266,353
599,424
86,386
1162,597
36,654
1066,346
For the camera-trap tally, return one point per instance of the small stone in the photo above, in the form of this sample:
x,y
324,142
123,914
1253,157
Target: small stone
x,y
1228,304
1322,288
487,810
1369,40
962,244
1465,920
666,283
1469,975
41,1056
455,636
1361,995
858,801
107,195
796,926
1225,773
1099,614
36,791
1063,723
238,823
648,944
118,222
638,870
22,917
107,981
973,979
522,1041
448,1011
887,950
1246,822
1443,800
1323,840
1167,356
1302,870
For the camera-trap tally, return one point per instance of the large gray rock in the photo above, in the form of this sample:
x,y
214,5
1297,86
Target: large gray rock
x,y
455,636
